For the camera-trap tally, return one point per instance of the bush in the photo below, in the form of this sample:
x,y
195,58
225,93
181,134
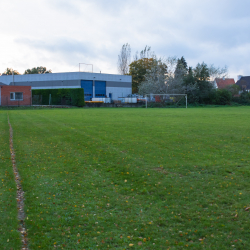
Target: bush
x,y
243,99
73,97
223,97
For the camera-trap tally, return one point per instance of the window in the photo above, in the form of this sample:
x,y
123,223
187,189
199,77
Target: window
x,y
16,96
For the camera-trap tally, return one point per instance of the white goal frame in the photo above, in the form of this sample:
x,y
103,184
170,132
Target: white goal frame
x,y
164,95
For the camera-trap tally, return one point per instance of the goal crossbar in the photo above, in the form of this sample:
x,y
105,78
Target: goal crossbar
x,y
164,95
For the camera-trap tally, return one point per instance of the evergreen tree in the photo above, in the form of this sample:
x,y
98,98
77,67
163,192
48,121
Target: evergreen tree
x,y
190,86
184,63
181,68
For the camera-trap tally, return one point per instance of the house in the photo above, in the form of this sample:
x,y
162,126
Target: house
x,y
222,83
95,85
244,83
15,95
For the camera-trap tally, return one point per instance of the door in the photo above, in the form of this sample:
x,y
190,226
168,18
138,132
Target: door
x,y
100,89
88,89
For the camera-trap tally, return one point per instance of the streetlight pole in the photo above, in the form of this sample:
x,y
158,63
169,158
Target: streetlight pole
x,y
13,77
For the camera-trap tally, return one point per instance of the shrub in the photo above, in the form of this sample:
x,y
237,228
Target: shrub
x,y
223,97
73,97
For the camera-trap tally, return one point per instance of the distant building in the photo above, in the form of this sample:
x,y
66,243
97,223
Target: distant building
x,y
94,84
244,83
222,83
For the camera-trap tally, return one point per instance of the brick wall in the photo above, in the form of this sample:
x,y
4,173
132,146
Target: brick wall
x,y
5,95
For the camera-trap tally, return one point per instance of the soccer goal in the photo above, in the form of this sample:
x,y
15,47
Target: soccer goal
x,y
164,100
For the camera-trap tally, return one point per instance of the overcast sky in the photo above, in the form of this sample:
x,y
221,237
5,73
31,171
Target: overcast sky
x,y
59,34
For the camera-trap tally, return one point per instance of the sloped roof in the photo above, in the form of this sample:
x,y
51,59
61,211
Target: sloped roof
x,y
223,83
244,80
2,84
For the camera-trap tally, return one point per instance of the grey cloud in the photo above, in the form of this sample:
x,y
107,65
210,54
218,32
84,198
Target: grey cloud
x,y
62,45
210,30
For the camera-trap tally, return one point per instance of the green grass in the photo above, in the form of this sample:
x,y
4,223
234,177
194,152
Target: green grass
x,y
9,235
155,178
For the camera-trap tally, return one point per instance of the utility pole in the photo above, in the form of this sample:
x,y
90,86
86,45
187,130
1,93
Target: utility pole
x,y
13,77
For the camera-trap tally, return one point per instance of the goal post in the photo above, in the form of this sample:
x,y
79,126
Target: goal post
x,y
164,98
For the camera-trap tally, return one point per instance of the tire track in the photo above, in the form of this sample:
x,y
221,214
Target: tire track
x,y
20,194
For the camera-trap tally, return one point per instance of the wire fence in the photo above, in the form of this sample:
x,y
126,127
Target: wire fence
x,y
5,101
49,100
165,100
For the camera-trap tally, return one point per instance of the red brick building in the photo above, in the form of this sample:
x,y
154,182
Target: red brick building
x,y
15,95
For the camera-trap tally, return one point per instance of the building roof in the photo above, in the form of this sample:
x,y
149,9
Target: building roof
x,y
2,84
244,81
8,79
224,82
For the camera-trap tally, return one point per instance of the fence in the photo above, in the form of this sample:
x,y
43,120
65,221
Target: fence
x,y
68,97
6,102
164,100
61,101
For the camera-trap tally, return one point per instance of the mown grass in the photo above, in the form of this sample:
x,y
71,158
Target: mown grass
x,y
9,235
135,178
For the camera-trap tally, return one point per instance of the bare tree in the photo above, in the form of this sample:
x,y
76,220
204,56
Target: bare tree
x,y
145,53
124,59
217,72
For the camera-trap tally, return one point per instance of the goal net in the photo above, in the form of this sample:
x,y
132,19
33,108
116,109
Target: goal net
x,y
165,100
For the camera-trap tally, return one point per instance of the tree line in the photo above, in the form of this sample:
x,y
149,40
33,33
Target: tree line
x,y
35,70
153,75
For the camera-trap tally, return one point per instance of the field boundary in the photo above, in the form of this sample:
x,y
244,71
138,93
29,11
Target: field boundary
x,y
20,193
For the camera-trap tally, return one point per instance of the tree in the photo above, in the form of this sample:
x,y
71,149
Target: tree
x,y
223,97
124,59
145,53
181,67
37,70
180,70
138,70
217,72
189,82
184,63
204,86
161,78
9,71
154,79
234,89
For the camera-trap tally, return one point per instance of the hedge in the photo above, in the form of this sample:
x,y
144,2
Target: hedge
x,y
73,97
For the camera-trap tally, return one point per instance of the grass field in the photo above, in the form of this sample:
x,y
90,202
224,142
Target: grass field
x,y
128,178
9,235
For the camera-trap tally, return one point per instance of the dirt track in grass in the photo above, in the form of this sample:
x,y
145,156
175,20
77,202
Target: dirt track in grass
x,y
20,194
